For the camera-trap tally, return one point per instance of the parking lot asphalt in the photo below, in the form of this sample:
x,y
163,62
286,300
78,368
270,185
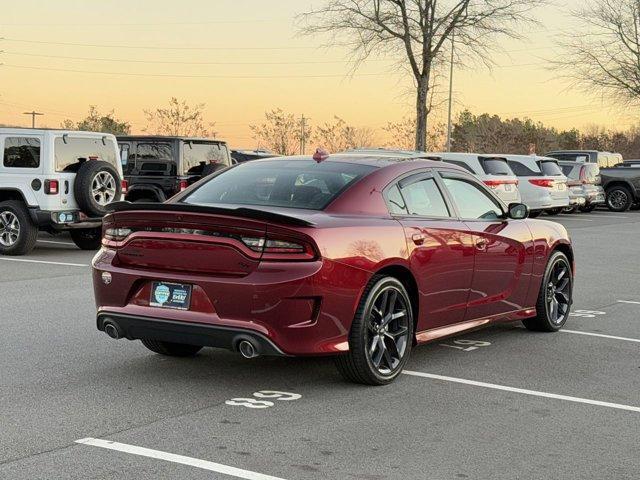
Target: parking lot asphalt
x,y
76,405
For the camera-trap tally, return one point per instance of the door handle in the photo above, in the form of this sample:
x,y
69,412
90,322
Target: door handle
x,y
418,238
481,244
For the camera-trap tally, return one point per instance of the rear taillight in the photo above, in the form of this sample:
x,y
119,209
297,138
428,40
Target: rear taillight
x,y
583,174
124,184
280,249
497,183
541,182
51,187
116,234
183,185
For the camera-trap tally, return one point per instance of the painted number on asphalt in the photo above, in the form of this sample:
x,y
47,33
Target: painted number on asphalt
x,y
586,313
466,345
272,394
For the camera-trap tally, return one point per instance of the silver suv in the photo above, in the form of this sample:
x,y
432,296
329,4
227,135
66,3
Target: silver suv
x,y
493,170
56,180
542,185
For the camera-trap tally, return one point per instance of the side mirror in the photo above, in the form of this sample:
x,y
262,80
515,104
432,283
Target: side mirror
x,y
518,211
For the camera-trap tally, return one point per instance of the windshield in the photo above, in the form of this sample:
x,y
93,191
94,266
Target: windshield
x,y
70,152
198,154
280,183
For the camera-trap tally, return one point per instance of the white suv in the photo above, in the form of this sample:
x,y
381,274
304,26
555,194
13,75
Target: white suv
x,y
56,180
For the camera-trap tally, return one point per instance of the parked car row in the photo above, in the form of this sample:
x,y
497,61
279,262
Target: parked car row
x,y
59,180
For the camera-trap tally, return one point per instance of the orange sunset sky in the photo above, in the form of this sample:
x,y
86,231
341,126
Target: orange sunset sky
x,y
242,57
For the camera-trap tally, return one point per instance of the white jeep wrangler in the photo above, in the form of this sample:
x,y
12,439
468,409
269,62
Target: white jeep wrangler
x,y
56,180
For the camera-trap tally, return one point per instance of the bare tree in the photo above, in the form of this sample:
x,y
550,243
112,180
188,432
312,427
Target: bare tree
x,y
179,119
603,54
339,136
419,31
402,135
281,132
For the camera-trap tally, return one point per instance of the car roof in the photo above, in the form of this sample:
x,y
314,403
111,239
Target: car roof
x,y
374,160
167,137
389,152
36,131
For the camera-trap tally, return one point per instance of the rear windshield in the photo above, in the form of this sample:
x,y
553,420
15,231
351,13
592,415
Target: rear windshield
x,y
196,155
521,170
550,168
495,166
282,183
70,152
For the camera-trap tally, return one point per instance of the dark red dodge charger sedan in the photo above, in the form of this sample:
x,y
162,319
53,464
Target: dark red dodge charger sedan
x,y
357,256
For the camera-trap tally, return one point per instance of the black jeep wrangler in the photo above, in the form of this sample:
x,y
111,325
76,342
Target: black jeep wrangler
x,y
156,167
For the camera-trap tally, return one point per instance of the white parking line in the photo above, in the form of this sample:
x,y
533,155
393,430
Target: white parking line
x,y
56,242
570,218
25,260
629,301
181,459
524,391
601,335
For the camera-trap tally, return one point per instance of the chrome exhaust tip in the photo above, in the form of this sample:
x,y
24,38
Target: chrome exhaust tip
x,y
246,349
112,329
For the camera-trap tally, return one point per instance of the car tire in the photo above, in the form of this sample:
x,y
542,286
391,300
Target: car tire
x,y
555,297
587,208
145,200
96,186
18,233
379,344
569,210
635,206
87,238
171,349
554,211
535,213
619,198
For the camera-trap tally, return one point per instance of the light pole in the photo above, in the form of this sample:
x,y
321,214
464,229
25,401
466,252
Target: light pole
x,y
33,114
450,92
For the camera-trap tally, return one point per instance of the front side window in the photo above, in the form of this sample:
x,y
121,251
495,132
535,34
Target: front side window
x,y
424,198
21,152
280,183
471,199
70,152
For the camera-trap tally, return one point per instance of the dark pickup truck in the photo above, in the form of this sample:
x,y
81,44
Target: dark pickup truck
x,y
622,186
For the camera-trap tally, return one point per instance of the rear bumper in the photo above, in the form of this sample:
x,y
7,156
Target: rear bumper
x,y
46,219
136,328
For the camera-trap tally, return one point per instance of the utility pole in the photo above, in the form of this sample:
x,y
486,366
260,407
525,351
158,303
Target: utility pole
x,y
302,134
33,114
450,92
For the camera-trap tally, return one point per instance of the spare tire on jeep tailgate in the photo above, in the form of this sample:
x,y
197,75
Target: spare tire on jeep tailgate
x,y
97,184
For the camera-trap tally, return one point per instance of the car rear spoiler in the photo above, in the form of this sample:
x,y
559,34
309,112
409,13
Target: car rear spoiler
x,y
244,212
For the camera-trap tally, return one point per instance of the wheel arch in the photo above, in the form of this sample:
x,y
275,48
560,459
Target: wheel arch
x,y
619,183
404,275
143,191
12,194
567,250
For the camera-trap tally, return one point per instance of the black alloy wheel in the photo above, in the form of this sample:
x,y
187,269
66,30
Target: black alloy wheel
x,y
381,334
555,297
619,199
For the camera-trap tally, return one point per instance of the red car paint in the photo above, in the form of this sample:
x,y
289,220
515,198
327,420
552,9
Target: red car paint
x,y
461,273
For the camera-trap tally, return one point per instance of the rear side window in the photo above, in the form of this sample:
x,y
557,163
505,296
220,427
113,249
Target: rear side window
x,y
21,152
424,198
521,170
460,164
550,168
495,166
280,183
395,202
70,152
